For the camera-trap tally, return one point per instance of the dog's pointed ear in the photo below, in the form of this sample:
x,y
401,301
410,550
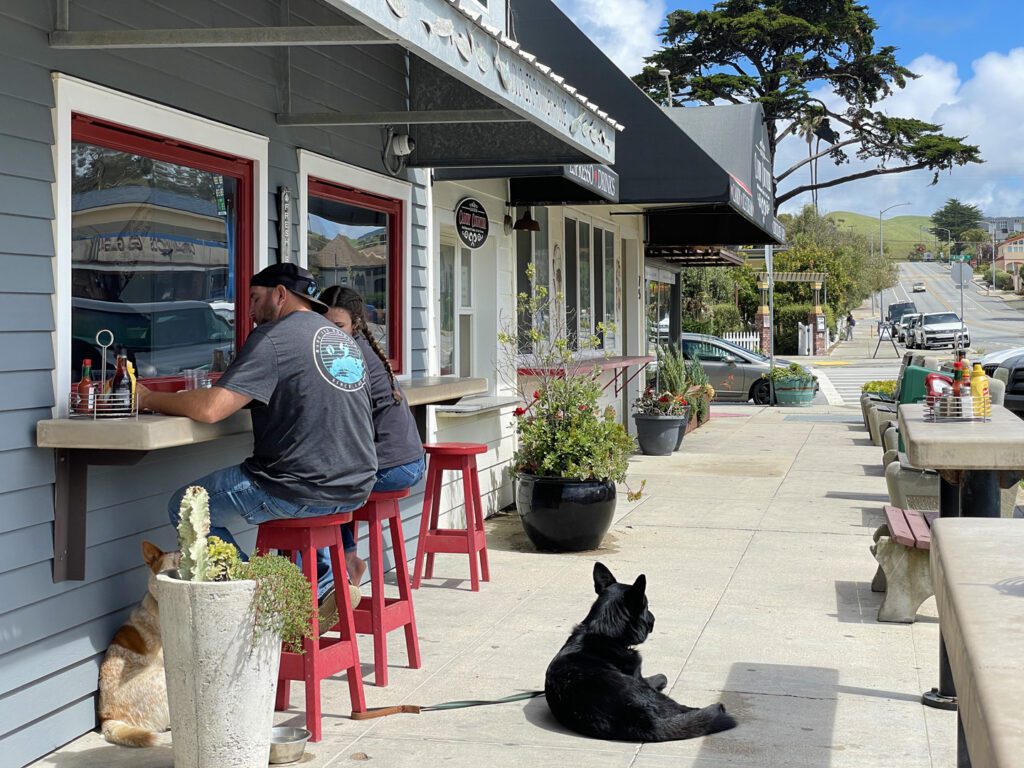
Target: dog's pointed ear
x,y
602,578
151,552
635,594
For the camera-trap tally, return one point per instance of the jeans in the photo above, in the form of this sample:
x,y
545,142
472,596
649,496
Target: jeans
x,y
388,479
235,496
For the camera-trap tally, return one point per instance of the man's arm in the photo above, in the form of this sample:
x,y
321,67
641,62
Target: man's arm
x,y
205,405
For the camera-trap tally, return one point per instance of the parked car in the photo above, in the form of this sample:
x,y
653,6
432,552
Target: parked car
x,y
903,326
734,372
1014,398
999,359
162,337
896,311
940,329
918,287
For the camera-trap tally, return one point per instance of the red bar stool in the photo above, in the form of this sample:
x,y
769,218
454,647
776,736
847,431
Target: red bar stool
x,y
469,540
323,656
378,615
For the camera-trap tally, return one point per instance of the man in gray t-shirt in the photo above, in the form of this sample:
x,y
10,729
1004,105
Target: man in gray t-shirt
x,y
305,381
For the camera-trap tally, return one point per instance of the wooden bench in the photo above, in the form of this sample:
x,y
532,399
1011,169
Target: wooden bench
x,y
901,547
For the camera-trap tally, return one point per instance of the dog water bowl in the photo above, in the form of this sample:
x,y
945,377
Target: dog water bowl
x,y
287,744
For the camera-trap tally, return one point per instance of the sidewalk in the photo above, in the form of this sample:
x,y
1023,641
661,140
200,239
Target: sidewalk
x,y
754,539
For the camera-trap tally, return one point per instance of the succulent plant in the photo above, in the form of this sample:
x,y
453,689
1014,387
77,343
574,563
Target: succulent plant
x,y
193,528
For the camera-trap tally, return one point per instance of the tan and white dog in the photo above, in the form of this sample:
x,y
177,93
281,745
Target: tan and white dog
x,y
133,690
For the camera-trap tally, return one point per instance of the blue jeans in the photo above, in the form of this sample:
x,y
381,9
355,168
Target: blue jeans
x,y
388,479
235,496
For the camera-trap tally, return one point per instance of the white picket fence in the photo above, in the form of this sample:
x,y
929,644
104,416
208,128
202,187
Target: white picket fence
x,y
748,340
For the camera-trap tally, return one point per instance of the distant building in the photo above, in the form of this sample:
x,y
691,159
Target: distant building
x,y
1010,253
1003,226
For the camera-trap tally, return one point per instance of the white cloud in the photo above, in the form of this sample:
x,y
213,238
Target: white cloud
x,y
987,109
626,30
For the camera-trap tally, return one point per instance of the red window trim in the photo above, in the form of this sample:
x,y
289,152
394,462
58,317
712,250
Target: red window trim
x,y
127,139
396,249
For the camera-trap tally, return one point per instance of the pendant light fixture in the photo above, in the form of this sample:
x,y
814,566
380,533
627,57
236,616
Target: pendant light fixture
x,y
527,222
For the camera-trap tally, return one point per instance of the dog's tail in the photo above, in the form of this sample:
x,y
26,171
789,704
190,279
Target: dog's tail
x,y
697,722
120,732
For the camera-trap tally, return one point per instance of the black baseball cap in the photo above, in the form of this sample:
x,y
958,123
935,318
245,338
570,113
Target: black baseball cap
x,y
293,277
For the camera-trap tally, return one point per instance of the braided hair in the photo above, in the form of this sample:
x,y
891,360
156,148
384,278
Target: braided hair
x,y
349,299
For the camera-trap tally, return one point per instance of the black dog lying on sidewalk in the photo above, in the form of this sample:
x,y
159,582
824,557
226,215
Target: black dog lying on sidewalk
x,y
594,686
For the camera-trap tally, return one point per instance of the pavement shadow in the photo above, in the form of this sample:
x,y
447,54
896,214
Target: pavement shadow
x,y
858,496
855,602
786,715
160,756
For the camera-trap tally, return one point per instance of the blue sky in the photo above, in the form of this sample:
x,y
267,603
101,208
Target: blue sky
x,y
970,56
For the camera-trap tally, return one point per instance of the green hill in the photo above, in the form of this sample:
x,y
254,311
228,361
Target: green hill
x,y
901,232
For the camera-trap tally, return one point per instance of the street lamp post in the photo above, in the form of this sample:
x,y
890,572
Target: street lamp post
x,y
881,251
668,86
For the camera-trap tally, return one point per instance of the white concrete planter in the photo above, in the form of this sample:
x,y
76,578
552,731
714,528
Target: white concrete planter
x,y
220,688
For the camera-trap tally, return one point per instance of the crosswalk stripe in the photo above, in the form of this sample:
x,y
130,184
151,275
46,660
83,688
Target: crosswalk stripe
x,y
842,386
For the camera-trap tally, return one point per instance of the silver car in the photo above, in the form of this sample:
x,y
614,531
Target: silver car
x,y
734,372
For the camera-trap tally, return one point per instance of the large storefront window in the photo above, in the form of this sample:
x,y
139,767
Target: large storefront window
x,y
593,270
161,251
456,308
659,308
354,239
532,251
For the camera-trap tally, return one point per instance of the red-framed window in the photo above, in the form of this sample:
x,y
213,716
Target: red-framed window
x,y
162,250
355,238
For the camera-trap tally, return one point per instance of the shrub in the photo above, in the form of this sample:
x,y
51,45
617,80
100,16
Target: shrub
x,y
786,319
793,371
727,319
881,386
1004,280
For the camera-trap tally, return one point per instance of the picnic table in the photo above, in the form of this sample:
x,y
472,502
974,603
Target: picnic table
x,y
974,459
979,588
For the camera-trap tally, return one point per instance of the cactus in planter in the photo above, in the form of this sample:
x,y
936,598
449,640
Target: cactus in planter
x,y
193,528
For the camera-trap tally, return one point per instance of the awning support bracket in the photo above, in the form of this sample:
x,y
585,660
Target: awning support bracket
x,y
70,489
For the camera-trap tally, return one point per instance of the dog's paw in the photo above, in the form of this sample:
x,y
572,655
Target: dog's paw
x,y
657,682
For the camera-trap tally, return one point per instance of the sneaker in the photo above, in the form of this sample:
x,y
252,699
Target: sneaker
x,y
329,607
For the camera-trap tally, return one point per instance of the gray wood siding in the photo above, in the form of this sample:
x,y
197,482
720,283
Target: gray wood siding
x,y
53,636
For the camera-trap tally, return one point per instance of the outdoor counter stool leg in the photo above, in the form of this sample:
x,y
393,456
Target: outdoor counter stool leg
x,y
322,656
378,615
471,540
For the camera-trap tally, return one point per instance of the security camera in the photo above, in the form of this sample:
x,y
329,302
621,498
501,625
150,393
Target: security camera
x,y
401,145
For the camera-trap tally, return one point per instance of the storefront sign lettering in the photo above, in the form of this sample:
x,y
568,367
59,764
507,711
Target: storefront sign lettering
x,y
471,222
599,178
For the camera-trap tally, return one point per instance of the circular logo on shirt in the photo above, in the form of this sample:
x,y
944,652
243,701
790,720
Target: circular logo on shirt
x,y
338,359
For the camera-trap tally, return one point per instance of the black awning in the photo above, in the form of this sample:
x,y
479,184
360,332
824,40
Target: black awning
x,y
657,162
547,185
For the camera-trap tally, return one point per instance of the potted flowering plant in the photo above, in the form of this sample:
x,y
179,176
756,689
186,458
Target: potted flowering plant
x,y
660,421
661,411
571,452
793,384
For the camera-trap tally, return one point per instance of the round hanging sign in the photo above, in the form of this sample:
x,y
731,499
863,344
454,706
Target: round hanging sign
x,y
471,222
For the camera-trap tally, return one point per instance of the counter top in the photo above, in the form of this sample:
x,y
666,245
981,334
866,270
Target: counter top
x,y
146,433
436,389
997,444
979,590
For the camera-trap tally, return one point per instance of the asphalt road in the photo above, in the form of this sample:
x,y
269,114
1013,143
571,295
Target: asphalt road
x,y
993,324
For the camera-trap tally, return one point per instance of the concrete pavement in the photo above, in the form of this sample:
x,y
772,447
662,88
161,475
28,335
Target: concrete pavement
x,y
754,539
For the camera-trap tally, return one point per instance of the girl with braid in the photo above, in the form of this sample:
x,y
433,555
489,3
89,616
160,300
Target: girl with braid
x,y
397,440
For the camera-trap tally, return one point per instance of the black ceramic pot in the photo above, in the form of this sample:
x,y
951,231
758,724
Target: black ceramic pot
x,y
561,515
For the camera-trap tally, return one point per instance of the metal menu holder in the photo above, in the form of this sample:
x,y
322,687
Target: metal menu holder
x,y
101,404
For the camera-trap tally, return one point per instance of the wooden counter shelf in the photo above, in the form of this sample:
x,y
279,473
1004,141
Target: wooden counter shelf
x,y
79,442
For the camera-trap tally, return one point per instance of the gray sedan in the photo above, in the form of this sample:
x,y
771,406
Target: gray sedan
x,y
735,372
